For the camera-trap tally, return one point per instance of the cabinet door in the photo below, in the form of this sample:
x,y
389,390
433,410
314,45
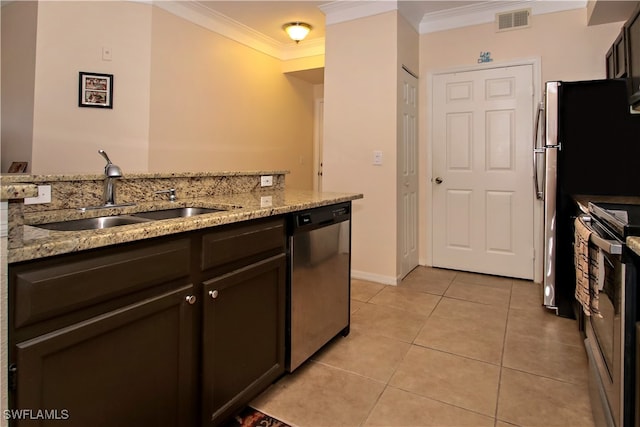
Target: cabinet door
x,y
130,367
243,342
620,55
610,63
633,53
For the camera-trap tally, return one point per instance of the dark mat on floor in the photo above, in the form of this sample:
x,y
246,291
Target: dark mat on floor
x,y
250,417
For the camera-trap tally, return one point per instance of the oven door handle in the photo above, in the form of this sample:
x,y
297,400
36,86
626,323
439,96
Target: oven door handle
x,y
612,247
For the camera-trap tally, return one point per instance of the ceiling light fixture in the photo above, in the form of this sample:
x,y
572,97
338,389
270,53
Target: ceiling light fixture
x,y
297,30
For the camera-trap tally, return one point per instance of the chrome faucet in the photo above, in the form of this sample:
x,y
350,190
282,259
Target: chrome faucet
x,y
171,192
111,173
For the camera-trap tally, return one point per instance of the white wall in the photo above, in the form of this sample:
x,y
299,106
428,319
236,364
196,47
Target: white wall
x,y
360,117
219,105
70,39
19,21
567,48
185,98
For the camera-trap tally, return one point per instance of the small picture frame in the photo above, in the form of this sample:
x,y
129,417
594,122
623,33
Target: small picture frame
x,y
18,167
96,90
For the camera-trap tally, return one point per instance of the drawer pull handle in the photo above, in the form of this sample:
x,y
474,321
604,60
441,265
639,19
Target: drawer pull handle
x,y
191,299
213,294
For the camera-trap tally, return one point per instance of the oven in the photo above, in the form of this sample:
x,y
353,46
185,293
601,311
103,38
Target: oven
x,y
610,329
604,330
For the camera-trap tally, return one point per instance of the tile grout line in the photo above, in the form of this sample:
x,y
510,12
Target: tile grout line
x,y
504,346
412,343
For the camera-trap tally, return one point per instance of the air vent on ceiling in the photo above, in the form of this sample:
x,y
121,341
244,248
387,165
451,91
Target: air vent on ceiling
x,y
513,20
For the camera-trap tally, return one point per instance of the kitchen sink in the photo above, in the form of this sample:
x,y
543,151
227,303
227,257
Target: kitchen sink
x,y
175,213
92,223
117,220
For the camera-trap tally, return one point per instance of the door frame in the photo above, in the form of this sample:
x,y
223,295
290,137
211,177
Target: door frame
x,y
318,141
428,203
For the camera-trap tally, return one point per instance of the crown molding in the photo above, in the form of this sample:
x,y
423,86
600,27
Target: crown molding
x,y
484,13
342,11
212,20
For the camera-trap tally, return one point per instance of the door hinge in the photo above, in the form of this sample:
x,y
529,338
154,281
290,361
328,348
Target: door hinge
x,y
13,377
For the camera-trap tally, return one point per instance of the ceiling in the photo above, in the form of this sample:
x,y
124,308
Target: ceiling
x,y
268,17
258,24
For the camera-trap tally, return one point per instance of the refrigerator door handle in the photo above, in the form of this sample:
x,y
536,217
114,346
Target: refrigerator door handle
x,y
537,151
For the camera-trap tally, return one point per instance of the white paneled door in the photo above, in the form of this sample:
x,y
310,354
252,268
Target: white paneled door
x,y
482,192
408,179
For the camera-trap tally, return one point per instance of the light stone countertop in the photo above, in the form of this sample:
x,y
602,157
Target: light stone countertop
x,y
18,190
39,243
633,243
27,178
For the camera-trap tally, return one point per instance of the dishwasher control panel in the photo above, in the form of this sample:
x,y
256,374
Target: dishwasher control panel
x,y
323,215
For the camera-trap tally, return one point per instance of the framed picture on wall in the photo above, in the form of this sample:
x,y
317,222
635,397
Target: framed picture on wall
x,y
96,90
18,167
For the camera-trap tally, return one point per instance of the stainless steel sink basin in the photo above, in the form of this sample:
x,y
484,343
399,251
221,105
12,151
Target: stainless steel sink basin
x,y
175,213
116,220
92,223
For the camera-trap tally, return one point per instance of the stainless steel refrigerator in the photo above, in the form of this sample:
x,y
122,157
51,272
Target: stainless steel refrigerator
x,y
586,143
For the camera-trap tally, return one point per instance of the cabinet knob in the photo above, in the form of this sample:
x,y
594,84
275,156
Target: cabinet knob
x,y
213,294
191,299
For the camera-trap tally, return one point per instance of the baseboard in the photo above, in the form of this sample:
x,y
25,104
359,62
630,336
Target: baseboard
x,y
377,278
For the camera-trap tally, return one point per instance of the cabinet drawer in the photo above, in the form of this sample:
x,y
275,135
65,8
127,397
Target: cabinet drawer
x,y
242,242
45,289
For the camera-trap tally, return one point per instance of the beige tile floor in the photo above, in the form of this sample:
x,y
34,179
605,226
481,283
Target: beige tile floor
x,y
443,348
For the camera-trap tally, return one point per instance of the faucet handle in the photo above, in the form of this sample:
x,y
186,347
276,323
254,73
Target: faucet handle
x,y
104,154
171,192
110,170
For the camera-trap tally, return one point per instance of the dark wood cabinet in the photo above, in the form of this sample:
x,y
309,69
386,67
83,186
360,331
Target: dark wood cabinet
x,y
632,28
105,337
129,335
610,63
244,297
129,367
622,60
243,328
616,58
620,52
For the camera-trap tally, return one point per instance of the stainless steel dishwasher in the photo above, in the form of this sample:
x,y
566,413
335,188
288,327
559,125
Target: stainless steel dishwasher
x,y
319,280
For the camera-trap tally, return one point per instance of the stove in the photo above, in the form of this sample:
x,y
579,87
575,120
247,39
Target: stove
x,y
620,218
611,334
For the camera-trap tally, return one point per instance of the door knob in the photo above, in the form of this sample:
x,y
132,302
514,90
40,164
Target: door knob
x,y
438,180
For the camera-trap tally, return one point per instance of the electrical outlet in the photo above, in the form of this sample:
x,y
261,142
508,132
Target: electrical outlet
x,y
266,180
44,196
266,201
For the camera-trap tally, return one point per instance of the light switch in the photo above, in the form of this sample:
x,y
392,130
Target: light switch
x,y
266,180
377,157
106,53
